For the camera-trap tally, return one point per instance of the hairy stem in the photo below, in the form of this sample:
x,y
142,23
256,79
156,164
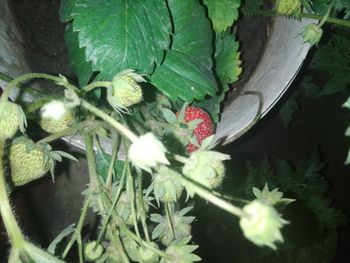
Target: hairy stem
x,y
29,76
119,127
207,195
97,84
330,20
170,218
77,233
15,235
141,206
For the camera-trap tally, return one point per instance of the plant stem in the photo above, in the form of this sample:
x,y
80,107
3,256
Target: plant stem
x,y
97,84
324,19
207,195
181,159
77,232
15,235
26,77
131,191
119,127
59,135
90,156
169,217
117,243
331,20
141,206
110,172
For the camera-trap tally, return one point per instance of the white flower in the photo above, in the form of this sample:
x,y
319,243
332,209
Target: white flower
x,y
147,152
54,109
262,224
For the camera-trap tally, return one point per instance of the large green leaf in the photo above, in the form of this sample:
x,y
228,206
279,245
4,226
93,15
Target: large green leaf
x,y
122,34
182,76
228,65
228,68
81,68
66,9
222,13
186,72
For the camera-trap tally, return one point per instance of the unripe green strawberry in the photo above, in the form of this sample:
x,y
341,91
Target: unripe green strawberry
x,y
167,185
30,161
312,34
220,170
125,90
56,117
12,118
287,7
206,168
93,251
147,255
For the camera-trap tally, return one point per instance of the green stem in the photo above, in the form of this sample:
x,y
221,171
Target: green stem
x,y
97,84
181,159
131,191
118,244
15,235
63,133
119,127
77,233
111,209
110,172
141,206
169,217
26,77
324,19
330,20
207,195
91,161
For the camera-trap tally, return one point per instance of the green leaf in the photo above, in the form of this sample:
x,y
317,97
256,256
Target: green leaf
x,y
65,232
182,76
186,72
290,108
66,9
122,34
308,88
81,68
102,164
228,65
222,13
169,116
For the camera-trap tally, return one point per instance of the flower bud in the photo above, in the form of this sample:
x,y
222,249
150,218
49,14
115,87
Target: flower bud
x,y
261,224
147,152
12,118
312,34
93,251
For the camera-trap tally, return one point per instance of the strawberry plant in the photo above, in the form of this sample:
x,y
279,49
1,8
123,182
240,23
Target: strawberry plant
x,y
151,76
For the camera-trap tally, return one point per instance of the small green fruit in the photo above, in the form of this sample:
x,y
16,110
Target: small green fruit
x,y
93,251
56,117
220,170
287,7
28,161
12,118
312,34
148,255
125,90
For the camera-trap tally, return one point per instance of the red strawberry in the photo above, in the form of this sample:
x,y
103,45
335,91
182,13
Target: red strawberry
x,y
203,130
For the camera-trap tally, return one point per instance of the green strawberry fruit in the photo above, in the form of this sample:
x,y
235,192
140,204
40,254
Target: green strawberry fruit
x,y
312,34
220,170
125,90
287,7
56,117
93,251
12,118
147,255
30,161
